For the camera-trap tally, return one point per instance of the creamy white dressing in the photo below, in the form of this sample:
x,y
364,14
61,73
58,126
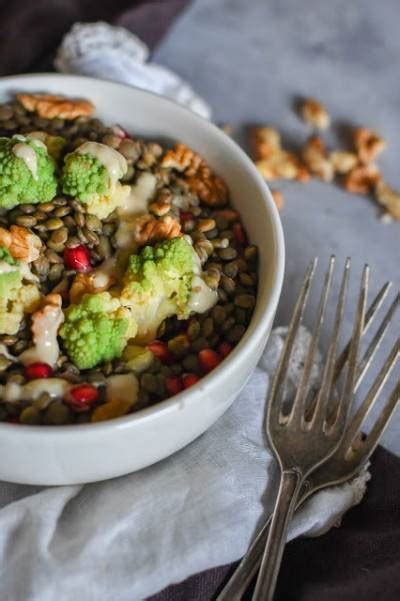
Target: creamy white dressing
x,y
46,348
202,297
105,274
28,155
111,159
13,392
122,387
124,235
141,193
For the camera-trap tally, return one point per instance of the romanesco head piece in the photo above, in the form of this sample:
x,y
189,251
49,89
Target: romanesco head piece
x,y
91,174
27,173
167,266
83,176
157,285
96,330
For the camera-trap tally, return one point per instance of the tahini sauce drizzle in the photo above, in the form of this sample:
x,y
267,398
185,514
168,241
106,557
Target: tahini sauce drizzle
x,y
110,158
28,155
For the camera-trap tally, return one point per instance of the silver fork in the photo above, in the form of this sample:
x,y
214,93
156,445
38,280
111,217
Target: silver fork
x,y
304,438
341,466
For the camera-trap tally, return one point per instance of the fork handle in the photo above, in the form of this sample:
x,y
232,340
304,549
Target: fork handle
x,y
290,485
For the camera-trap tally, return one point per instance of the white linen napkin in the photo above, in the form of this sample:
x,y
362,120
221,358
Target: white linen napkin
x,y
110,52
127,538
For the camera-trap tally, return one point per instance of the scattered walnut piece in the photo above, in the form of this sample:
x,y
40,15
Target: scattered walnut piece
x,y
278,199
264,141
50,106
147,228
368,144
282,165
343,161
314,113
273,161
388,198
362,179
316,158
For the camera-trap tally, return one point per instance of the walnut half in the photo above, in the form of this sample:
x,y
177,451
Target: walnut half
x,y
51,106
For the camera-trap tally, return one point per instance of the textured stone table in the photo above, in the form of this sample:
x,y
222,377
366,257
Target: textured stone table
x,y
251,59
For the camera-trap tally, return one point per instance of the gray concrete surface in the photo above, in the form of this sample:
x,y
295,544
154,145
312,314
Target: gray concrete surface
x,y
251,59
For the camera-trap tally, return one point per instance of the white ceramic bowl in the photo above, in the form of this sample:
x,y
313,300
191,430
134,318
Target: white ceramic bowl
x,y
85,453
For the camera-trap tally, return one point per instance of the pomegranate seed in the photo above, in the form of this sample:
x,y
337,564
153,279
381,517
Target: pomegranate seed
x,y
77,258
185,216
173,384
239,233
209,359
189,380
37,370
82,397
160,350
224,349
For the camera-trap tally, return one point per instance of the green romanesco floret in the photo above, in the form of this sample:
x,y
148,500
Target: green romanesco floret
x,y
85,177
16,297
96,330
27,173
157,284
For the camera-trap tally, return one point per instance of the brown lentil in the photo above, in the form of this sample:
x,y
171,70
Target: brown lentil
x,y
205,225
245,301
30,416
227,254
53,257
26,220
228,284
55,223
57,413
62,211
236,333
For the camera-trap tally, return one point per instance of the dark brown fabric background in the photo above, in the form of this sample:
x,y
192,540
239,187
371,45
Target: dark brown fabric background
x,y
30,30
359,561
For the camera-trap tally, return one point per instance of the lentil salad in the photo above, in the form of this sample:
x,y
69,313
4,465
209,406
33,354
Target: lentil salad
x,y
82,245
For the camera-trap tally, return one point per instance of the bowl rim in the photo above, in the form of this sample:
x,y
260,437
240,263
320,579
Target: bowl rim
x,y
269,308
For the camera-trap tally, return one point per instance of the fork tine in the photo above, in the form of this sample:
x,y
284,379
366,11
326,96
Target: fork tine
x,y
373,309
379,427
273,407
348,388
372,394
375,342
327,377
301,394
